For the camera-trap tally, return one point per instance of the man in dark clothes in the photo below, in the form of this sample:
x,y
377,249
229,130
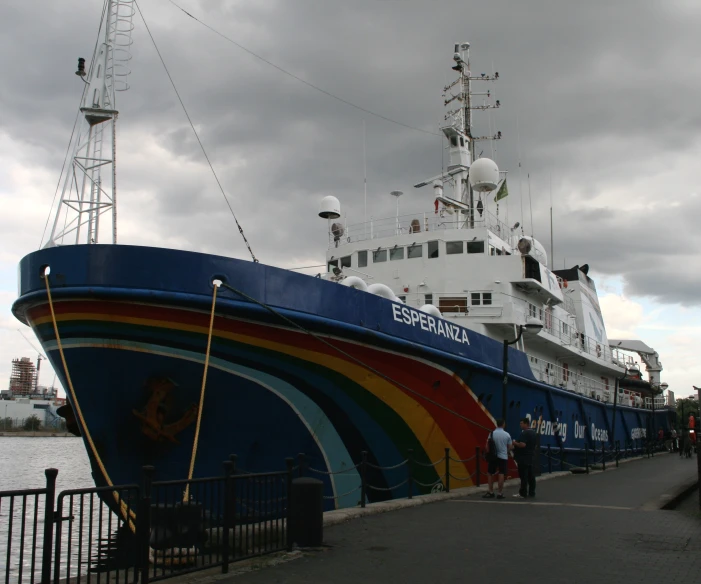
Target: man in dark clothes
x,y
523,453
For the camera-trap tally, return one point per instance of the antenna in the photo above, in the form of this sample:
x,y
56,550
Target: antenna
x,y
552,245
530,202
397,194
365,184
86,196
520,173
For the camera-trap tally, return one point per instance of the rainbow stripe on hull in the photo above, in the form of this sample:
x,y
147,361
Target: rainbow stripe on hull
x,y
331,372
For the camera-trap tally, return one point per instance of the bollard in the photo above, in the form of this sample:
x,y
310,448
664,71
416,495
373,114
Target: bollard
x,y
233,458
363,484
478,470
550,461
618,452
410,471
447,470
51,474
586,457
307,512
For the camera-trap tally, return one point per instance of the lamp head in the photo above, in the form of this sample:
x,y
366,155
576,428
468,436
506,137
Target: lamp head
x,y
664,386
533,325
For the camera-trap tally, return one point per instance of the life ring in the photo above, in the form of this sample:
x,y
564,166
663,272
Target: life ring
x,y
563,283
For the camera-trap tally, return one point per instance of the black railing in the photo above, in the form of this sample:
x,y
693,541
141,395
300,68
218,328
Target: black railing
x,y
161,529
130,533
25,541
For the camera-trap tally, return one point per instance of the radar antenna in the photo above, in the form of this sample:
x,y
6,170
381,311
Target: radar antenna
x,y
86,194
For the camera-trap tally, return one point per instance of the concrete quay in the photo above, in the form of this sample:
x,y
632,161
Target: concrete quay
x,y
603,527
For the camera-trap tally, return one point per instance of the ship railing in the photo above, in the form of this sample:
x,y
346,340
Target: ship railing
x,y
659,403
566,378
343,233
568,334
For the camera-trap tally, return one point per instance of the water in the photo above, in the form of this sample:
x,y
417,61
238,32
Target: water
x,y
22,465
23,460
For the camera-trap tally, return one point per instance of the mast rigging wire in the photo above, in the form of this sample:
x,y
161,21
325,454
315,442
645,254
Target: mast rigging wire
x,y
221,188
307,83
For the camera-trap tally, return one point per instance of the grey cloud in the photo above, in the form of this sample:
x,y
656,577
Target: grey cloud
x,y
592,92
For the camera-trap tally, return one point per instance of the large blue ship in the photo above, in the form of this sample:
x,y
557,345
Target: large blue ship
x,y
421,331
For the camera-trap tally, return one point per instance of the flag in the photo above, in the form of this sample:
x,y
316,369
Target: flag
x,y
503,192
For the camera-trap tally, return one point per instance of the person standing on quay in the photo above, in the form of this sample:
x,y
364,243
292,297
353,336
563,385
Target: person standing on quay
x,y
498,464
524,448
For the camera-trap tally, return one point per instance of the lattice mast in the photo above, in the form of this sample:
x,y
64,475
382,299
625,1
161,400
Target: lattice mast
x,y
459,128
90,186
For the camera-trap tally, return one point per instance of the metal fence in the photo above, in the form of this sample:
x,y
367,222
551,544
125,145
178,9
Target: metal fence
x,y
131,533
160,529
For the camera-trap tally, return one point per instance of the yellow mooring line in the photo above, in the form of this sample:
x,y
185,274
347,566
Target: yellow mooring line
x,y
186,495
127,513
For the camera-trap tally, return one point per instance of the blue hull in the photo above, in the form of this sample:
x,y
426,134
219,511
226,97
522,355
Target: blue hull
x,y
297,365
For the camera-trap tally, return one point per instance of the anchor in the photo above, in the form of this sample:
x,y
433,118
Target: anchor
x,y
154,414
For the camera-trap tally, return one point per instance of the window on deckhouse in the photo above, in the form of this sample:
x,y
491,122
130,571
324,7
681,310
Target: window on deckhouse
x,y
362,259
452,304
414,251
379,256
396,253
454,247
432,249
475,247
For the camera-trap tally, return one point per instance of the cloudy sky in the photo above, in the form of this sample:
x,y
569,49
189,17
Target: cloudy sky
x,y
600,98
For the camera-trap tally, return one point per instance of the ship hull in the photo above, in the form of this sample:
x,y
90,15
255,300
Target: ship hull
x,y
296,365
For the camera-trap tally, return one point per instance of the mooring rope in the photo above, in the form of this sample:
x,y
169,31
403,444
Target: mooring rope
x,y
186,495
127,513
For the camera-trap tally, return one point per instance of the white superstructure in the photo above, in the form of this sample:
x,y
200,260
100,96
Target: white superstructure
x,y
464,260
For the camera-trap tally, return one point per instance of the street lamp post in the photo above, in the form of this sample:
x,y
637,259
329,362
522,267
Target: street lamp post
x,y
532,325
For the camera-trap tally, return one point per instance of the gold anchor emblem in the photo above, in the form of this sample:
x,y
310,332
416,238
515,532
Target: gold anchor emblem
x,y
154,414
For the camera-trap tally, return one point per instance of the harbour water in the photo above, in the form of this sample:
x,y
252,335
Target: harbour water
x,y
23,460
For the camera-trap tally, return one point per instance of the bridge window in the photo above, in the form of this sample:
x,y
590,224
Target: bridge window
x,y
432,249
379,256
346,262
453,247
415,251
362,259
452,304
475,247
332,264
481,298
428,298
396,253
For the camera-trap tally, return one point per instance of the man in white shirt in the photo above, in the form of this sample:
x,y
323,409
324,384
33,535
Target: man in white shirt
x,y
498,464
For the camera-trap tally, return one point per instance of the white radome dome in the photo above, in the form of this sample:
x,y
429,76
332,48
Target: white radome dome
x,y
484,175
432,310
330,208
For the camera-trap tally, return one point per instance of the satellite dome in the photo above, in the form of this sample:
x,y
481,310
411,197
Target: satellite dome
x,y
330,208
484,175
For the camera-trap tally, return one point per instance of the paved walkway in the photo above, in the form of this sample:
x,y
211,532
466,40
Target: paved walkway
x,y
605,527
